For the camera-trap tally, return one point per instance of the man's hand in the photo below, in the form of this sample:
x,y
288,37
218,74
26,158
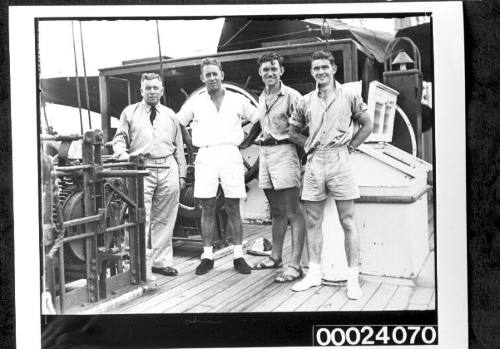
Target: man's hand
x,y
122,156
182,183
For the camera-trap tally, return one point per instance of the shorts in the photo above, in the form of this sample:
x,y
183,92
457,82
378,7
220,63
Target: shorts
x,y
328,172
279,167
219,164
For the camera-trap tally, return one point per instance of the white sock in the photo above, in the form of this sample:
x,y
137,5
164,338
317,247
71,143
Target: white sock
x,y
208,252
312,278
314,269
353,288
238,251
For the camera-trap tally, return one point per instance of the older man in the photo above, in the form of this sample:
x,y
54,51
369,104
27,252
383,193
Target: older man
x,y
329,111
279,167
216,116
151,129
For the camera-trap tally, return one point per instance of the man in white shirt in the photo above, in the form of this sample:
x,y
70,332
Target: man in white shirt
x,y
151,129
216,116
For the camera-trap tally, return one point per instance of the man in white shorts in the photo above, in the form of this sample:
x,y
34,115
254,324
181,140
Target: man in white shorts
x,y
216,117
329,112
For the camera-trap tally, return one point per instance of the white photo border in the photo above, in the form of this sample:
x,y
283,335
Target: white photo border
x,y
449,130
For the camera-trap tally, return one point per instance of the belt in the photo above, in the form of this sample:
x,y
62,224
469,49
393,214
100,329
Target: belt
x,y
156,160
271,142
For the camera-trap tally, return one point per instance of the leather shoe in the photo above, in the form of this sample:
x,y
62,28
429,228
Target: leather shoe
x,y
241,266
205,266
167,271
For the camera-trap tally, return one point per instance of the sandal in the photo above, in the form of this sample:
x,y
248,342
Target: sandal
x,y
287,277
262,265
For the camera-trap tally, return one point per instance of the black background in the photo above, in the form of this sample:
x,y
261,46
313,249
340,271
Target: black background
x,y
482,65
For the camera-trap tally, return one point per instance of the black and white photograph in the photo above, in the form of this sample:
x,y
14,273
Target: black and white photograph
x,y
285,173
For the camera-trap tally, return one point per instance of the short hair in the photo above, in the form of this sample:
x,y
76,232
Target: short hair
x,y
269,57
323,55
210,61
150,76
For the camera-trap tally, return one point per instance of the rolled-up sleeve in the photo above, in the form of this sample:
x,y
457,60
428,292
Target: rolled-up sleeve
x,y
357,105
121,140
298,113
179,150
248,111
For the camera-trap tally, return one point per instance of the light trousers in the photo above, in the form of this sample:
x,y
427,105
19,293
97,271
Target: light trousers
x,y
161,202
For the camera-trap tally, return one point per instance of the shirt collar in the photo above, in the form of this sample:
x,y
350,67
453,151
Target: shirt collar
x,y
336,88
148,107
280,92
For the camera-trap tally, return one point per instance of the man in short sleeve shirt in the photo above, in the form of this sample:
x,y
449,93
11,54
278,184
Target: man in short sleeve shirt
x,y
216,115
151,129
329,112
279,166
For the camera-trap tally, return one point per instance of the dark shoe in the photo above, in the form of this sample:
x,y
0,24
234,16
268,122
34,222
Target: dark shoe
x,y
205,265
241,266
167,271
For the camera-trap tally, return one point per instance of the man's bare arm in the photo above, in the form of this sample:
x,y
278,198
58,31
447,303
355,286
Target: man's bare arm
x,y
364,131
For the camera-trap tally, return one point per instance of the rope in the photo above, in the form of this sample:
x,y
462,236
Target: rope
x,y
58,222
85,75
161,62
77,78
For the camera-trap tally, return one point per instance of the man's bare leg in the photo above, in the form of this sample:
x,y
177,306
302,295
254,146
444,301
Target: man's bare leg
x,y
314,211
208,226
345,209
234,218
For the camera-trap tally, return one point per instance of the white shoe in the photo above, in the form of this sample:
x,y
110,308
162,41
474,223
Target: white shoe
x,y
353,289
307,282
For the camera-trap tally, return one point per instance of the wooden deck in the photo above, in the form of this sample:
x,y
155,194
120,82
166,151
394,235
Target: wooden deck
x,y
224,290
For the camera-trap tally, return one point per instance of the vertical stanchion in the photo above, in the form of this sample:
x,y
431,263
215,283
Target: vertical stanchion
x,y
62,281
89,207
142,218
134,238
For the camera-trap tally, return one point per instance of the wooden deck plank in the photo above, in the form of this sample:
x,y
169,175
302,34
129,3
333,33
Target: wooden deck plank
x,y
266,282
198,295
296,300
318,298
186,259
264,293
381,297
400,299
243,289
369,288
271,303
164,293
420,298
336,301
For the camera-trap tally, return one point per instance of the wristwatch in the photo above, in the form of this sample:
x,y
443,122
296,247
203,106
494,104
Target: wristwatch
x,y
350,148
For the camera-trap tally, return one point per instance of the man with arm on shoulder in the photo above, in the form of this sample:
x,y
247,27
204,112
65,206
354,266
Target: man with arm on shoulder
x,y
279,167
216,115
151,129
329,111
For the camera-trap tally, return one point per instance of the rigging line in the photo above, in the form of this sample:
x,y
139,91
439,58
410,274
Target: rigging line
x,y
77,78
42,102
161,62
85,75
237,33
